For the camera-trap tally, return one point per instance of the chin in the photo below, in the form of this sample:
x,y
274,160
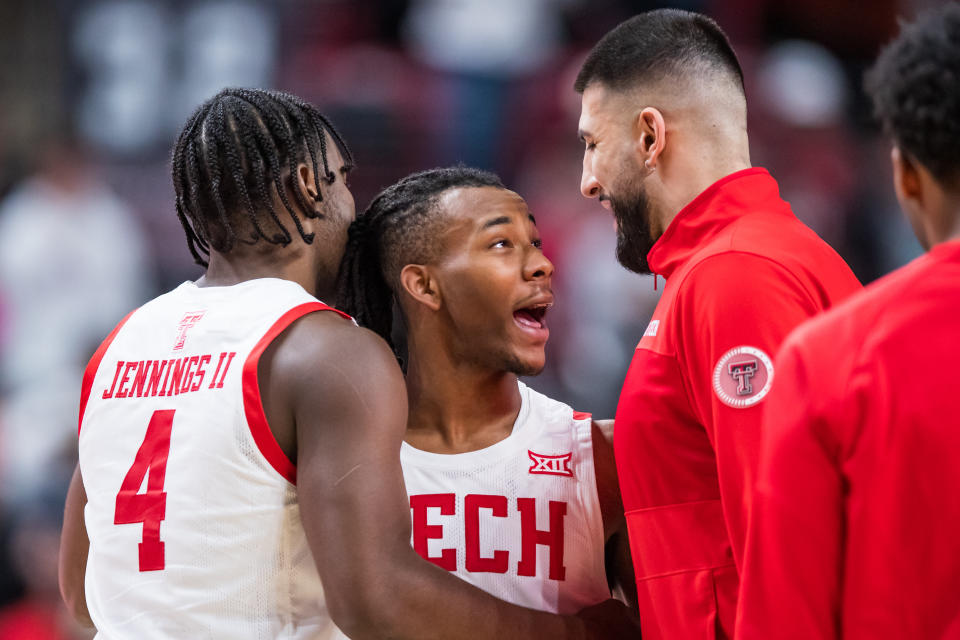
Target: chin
x,y
527,366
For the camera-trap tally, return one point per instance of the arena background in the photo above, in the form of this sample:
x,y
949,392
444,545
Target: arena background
x,y
93,92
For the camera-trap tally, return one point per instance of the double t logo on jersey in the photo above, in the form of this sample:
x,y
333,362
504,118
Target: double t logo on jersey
x,y
187,323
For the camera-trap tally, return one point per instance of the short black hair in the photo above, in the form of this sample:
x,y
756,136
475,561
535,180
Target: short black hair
x,y
915,87
399,227
229,160
655,45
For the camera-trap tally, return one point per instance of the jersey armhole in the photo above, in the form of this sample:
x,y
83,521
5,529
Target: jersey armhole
x,y
253,403
93,366
589,491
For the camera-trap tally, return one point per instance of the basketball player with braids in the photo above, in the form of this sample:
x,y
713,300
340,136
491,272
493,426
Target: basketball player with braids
x,y
511,490
239,439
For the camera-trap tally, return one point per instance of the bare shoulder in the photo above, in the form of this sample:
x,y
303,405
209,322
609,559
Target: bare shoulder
x,y
603,459
327,337
608,486
321,352
606,429
324,374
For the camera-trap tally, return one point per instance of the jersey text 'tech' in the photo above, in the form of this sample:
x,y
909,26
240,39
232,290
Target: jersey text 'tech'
x,y
498,506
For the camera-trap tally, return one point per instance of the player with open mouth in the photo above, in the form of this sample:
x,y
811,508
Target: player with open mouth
x,y
515,492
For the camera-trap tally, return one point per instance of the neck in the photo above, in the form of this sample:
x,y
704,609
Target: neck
x,y
239,266
952,218
455,406
954,233
726,151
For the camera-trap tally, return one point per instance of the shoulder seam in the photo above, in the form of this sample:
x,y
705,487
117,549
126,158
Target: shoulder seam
x,y
776,265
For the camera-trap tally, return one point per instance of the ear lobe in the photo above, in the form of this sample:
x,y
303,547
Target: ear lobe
x,y
651,138
417,282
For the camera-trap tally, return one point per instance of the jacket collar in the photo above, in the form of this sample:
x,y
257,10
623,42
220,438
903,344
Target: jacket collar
x,y
722,203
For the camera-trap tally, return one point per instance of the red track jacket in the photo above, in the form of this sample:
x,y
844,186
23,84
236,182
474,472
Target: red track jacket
x,y
855,529
741,272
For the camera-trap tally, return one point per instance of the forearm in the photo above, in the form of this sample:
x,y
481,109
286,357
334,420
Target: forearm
x,y
620,569
74,546
417,600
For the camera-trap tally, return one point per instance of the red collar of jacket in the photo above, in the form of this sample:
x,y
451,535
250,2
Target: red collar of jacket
x,y
720,204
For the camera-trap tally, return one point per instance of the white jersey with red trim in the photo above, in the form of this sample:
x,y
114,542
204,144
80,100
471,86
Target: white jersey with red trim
x,y
192,509
521,518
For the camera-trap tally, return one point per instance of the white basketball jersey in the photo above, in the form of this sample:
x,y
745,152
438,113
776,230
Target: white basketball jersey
x,y
192,509
519,519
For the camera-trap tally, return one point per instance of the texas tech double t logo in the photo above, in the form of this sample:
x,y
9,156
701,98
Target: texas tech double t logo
x,y
743,372
742,377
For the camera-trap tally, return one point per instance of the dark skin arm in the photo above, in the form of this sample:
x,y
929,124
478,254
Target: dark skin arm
x,y
336,401
619,563
74,545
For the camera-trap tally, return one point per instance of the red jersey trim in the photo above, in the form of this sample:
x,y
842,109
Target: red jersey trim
x,y
252,401
581,415
91,371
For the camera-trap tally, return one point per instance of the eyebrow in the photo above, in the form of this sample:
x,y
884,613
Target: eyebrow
x,y
503,220
495,221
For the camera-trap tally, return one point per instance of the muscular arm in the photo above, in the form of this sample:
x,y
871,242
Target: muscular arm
x,y
619,563
74,545
345,396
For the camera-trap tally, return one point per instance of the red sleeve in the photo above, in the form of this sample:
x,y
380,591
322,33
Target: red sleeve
x,y
737,309
790,583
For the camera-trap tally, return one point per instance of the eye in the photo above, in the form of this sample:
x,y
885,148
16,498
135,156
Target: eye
x,y
538,243
345,173
501,243
591,146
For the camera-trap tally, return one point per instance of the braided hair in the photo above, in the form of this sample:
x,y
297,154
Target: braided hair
x,y
230,159
399,227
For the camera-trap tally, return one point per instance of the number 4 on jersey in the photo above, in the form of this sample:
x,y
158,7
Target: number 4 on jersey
x,y
148,508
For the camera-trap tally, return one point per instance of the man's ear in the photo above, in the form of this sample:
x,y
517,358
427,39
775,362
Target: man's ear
x,y
906,179
417,281
650,131
308,187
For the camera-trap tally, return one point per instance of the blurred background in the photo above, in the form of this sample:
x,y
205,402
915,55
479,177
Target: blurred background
x,y
92,93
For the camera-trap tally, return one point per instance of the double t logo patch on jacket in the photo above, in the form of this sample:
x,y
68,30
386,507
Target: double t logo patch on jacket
x,y
743,377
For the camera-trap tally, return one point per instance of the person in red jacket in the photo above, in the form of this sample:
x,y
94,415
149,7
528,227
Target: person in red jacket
x,y
664,124
855,526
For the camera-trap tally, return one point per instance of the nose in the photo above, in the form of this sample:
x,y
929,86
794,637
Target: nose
x,y
537,266
589,186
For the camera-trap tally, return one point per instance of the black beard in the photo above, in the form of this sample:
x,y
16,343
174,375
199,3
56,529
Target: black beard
x,y
634,240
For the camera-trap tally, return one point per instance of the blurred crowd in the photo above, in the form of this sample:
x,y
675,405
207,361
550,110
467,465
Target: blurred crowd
x,y
94,91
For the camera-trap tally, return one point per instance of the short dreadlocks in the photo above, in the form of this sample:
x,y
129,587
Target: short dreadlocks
x,y
230,158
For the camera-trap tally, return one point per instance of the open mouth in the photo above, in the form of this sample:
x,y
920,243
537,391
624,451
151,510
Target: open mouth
x,y
532,316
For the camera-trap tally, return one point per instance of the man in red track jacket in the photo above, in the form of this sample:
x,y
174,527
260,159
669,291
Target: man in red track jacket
x,y
664,124
855,527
